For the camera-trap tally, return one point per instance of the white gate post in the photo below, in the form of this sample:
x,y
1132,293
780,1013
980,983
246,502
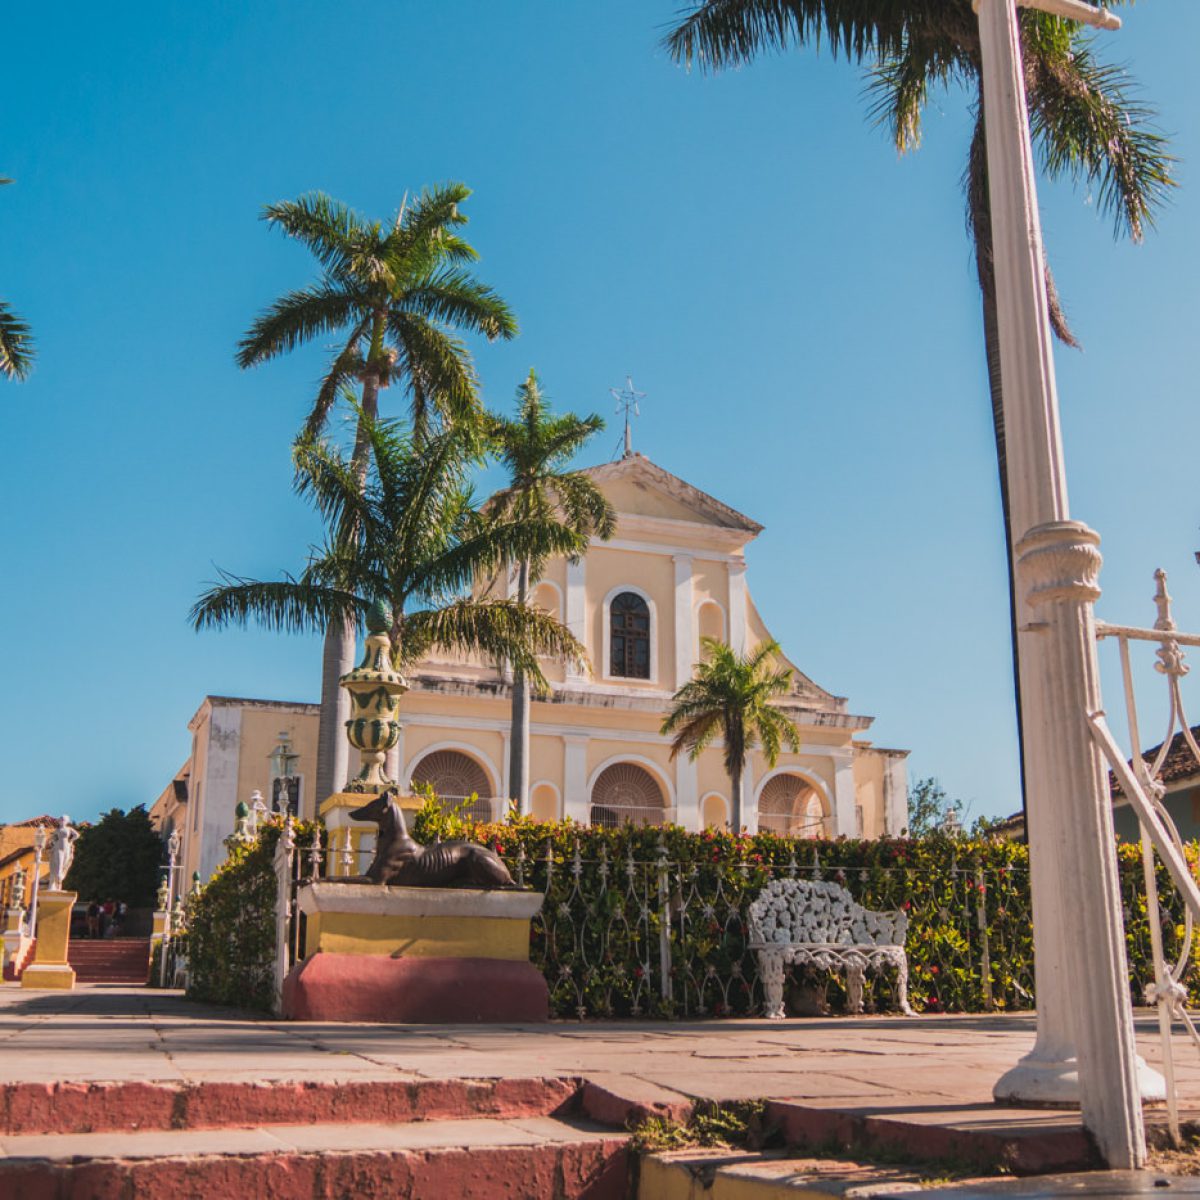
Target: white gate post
x,y
284,849
1082,977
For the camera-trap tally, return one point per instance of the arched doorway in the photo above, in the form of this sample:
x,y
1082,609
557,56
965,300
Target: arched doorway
x,y
455,777
625,793
790,804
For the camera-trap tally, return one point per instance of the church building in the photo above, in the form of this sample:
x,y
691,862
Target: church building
x,y
673,572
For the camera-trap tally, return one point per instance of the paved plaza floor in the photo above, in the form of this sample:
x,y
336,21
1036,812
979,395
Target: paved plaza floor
x,y
934,1063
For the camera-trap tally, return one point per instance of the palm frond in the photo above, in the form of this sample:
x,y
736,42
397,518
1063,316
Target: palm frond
x,y
16,345
731,33
453,296
288,605
299,316
1089,125
333,232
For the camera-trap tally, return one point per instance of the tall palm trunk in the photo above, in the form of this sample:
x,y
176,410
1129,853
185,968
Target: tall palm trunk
x,y
341,640
736,780
979,207
980,217
333,750
518,749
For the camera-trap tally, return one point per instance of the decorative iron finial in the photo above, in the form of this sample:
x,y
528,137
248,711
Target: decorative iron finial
x,y
1162,601
1170,656
627,402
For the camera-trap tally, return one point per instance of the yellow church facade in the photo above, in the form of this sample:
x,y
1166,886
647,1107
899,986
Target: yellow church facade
x,y
674,571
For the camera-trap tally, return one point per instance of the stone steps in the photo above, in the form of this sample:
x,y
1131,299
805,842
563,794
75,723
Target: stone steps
x,y
524,1157
110,960
729,1175
38,1109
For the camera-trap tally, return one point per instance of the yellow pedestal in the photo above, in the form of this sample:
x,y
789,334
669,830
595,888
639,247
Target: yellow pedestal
x,y
50,968
360,835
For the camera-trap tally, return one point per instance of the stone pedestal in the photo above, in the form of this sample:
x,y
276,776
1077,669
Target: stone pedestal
x,y
50,968
428,955
15,945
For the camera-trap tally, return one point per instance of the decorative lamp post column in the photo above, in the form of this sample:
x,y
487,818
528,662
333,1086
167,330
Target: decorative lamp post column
x,y
375,688
1085,1039
285,787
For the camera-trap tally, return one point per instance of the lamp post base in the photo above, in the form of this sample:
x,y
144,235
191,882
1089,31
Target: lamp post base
x,y
1037,1082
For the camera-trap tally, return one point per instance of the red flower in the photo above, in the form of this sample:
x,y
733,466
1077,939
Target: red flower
x,y
933,970
498,848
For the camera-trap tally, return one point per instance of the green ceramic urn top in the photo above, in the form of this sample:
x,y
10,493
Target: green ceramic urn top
x,y
242,810
379,617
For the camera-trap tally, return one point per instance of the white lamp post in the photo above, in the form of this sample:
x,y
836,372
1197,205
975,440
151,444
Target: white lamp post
x,y
1085,1043
283,760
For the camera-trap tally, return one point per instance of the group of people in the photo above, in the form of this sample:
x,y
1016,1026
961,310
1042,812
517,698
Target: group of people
x,y
106,920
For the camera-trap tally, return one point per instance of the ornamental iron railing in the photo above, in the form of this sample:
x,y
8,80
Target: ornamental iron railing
x,y
1141,780
621,936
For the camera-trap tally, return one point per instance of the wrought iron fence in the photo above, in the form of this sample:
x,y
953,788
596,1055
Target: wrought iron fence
x,y
629,937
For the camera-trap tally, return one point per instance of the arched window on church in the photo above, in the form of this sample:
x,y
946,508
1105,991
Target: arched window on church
x,y
626,794
789,804
455,778
629,625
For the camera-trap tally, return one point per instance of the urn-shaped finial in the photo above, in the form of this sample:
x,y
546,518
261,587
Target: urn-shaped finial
x,y
375,688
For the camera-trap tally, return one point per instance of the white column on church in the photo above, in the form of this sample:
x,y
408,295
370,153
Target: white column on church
x,y
687,795
685,620
737,606
576,614
505,768
843,797
576,802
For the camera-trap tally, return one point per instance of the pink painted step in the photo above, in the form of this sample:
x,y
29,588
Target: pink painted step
x,y
110,960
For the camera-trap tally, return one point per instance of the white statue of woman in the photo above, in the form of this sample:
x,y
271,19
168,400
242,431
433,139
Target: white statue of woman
x,y
62,853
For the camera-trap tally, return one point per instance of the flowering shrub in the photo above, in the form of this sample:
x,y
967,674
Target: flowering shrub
x,y
231,922
650,921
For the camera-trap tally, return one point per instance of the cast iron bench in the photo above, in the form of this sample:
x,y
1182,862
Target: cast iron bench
x,y
797,921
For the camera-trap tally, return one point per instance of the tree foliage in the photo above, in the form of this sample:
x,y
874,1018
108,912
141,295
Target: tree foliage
x,y
730,697
16,339
396,298
118,858
930,810
412,536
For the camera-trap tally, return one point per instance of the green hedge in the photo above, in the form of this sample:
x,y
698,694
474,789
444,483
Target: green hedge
x,y
648,921
230,937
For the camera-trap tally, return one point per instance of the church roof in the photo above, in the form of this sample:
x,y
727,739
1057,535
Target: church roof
x,y
639,470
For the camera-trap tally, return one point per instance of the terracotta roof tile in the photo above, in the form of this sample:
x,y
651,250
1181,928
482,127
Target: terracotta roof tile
x,y
1179,764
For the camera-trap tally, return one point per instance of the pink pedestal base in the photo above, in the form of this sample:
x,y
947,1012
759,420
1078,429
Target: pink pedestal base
x,y
431,991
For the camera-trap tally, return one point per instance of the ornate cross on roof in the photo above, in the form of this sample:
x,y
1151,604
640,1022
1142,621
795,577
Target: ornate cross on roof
x,y
627,402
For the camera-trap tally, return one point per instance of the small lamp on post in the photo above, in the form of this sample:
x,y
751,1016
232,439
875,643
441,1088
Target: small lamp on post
x,y
285,789
39,853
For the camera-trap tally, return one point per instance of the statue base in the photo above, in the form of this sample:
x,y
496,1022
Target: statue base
x,y
344,831
50,969
424,955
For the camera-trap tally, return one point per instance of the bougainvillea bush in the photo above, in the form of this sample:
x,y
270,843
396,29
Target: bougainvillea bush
x,y
652,922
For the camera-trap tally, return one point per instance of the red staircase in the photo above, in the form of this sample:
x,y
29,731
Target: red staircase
x,y
110,960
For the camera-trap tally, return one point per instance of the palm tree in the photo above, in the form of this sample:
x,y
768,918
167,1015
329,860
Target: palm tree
x,y
1082,116
730,697
536,448
418,547
394,297
16,339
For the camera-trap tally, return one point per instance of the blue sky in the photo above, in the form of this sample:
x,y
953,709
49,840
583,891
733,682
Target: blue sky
x,y
797,302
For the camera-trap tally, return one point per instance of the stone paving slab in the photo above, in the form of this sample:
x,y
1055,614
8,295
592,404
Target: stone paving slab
x,y
921,1067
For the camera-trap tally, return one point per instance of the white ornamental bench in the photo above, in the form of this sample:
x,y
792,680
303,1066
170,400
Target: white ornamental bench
x,y
798,921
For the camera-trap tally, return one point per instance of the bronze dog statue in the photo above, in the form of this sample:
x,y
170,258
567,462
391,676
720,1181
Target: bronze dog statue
x,y
402,862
